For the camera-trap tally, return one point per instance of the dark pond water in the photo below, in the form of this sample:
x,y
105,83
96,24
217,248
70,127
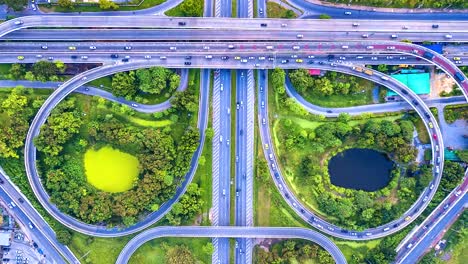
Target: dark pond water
x,y
360,169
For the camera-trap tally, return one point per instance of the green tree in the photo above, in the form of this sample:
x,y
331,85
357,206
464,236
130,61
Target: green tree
x,y
277,80
179,254
382,68
208,248
66,4
16,5
17,71
108,4
124,84
300,79
44,70
192,8
64,236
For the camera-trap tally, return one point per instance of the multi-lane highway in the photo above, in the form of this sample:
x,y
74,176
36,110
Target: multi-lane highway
x,y
244,148
227,232
389,228
40,232
221,148
434,226
226,23
237,34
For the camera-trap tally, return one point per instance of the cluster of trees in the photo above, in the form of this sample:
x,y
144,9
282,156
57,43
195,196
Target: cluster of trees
x,y
191,8
462,155
64,122
181,253
164,161
452,113
103,4
292,251
39,71
328,138
15,112
391,137
154,80
16,5
408,4
329,84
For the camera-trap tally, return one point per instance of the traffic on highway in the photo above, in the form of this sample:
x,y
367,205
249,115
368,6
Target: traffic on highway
x,y
128,42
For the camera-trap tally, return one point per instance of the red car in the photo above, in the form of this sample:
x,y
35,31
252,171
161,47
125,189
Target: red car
x,y
434,136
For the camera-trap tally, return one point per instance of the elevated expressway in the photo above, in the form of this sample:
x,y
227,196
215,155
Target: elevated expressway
x,y
250,28
230,232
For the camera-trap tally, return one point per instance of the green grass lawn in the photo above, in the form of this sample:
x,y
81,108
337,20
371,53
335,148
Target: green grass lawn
x,y
106,82
149,123
350,248
274,10
153,252
110,170
178,12
5,70
95,8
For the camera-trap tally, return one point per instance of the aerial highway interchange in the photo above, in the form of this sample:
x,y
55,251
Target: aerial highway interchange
x,y
244,44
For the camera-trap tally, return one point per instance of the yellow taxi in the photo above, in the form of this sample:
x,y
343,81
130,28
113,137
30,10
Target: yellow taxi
x,y
20,57
299,60
407,218
237,58
430,125
456,58
266,146
72,48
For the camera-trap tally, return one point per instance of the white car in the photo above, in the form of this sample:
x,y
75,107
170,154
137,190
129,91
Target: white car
x,y
347,13
92,47
147,57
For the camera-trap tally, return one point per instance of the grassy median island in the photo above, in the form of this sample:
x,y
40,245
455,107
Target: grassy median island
x,y
110,170
305,143
132,167
332,89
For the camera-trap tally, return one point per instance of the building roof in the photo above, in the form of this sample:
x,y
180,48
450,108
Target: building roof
x,y
417,82
5,238
314,71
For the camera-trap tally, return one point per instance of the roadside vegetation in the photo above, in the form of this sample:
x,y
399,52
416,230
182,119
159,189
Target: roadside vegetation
x,y
148,86
292,251
454,4
188,8
456,112
102,5
305,142
40,71
332,89
174,251
274,10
